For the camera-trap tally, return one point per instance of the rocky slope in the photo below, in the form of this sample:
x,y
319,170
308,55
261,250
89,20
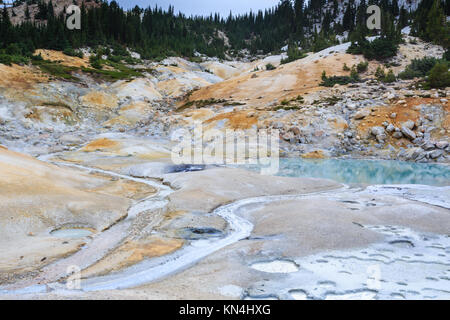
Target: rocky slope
x,y
367,119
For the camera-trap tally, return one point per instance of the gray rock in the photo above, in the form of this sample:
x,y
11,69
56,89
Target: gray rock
x,y
351,106
381,137
397,135
442,144
408,133
376,131
288,136
413,153
435,153
277,125
393,115
70,139
295,130
409,124
428,145
390,128
361,114
421,156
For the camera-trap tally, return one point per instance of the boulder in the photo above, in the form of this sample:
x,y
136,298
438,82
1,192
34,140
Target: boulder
x,y
413,153
288,136
397,135
349,134
361,114
409,124
381,138
428,145
70,139
442,144
277,125
436,153
295,130
377,131
408,133
390,128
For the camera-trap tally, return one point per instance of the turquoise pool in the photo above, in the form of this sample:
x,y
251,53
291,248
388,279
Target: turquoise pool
x,y
352,171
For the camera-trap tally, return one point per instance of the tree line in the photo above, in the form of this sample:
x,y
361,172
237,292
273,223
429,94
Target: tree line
x,y
156,33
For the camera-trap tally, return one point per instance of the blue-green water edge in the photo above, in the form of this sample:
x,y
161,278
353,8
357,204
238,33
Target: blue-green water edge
x,y
353,171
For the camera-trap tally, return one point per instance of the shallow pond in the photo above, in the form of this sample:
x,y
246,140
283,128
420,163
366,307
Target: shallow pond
x,y
351,171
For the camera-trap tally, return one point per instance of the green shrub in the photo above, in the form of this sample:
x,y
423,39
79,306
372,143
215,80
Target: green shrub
x,y
95,62
131,60
346,68
10,59
120,51
362,67
446,55
73,53
55,69
380,74
378,49
439,76
5,59
13,49
333,80
37,57
293,54
354,74
116,59
270,66
390,77
418,68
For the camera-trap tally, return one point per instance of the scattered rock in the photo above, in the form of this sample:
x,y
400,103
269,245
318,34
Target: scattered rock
x,y
442,144
428,145
397,135
413,153
377,131
295,130
390,128
277,125
361,114
408,133
70,139
436,153
409,124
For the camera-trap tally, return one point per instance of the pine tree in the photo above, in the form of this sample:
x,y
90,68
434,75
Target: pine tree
x,y
437,30
27,13
395,9
348,21
403,18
